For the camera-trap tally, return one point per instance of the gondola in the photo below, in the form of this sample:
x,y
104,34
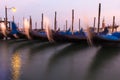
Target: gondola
x,y
39,35
11,32
76,37
107,39
59,36
34,34
14,33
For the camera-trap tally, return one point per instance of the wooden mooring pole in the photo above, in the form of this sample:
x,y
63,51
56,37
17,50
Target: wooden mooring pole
x,y
94,22
99,13
42,22
30,23
103,23
113,26
55,21
79,24
72,20
23,22
13,18
66,25
36,25
18,25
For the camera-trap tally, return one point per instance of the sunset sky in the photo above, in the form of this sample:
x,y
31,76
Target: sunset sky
x,y
86,10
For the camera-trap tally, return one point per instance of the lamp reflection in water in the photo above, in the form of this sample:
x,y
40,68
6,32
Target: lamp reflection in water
x,y
16,65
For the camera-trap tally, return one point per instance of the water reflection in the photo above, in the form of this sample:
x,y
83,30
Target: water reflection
x,y
38,61
15,44
61,64
26,44
16,65
34,60
4,61
41,48
103,57
15,41
70,50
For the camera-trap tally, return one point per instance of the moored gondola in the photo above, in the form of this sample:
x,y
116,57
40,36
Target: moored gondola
x,y
14,33
10,32
107,39
39,35
76,37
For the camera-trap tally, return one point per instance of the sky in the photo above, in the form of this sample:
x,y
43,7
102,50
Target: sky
x,y
86,10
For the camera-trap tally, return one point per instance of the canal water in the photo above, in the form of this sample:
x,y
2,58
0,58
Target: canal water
x,y
36,60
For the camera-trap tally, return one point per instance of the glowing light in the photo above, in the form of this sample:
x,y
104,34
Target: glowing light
x,y
13,9
16,65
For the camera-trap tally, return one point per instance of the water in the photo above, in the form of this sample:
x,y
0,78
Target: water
x,y
35,60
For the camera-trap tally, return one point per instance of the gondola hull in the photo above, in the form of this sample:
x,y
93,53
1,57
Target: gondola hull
x,y
20,35
35,35
1,36
99,40
69,38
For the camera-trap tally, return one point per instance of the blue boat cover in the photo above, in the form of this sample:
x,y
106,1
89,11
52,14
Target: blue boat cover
x,y
104,32
77,33
14,28
42,33
116,34
111,37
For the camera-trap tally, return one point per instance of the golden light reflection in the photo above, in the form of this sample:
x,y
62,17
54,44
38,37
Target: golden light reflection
x,y
16,66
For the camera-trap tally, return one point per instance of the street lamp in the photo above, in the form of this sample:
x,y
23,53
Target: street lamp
x,y
6,18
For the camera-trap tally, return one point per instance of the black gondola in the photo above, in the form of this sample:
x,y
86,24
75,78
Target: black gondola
x,y
107,39
14,33
76,37
39,35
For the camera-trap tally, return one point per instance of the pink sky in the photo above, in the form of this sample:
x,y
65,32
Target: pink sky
x,y
83,8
